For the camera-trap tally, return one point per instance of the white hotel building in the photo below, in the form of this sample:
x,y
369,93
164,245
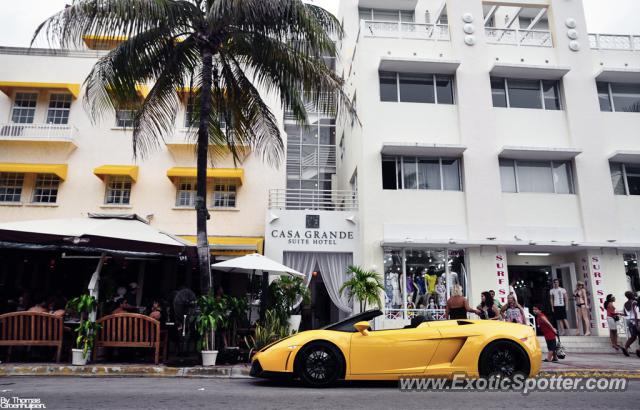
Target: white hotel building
x,y
497,143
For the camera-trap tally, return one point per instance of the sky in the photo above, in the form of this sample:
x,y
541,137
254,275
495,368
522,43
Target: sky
x,y
19,18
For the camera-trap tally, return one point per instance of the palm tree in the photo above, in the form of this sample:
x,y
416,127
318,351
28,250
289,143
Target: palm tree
x,y
227,53
365,286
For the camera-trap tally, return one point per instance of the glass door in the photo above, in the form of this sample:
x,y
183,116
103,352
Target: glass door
x,y
566,274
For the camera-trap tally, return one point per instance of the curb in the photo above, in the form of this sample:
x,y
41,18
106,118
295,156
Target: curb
x,y
604,373
216,372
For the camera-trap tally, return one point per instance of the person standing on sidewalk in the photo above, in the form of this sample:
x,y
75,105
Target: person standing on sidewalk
x,y
632,315
559,300
612,320
549,332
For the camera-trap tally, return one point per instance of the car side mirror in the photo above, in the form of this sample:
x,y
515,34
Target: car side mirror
x,y
362,327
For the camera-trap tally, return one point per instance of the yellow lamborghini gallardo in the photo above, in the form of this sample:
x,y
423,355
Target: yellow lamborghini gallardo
x,y
350,350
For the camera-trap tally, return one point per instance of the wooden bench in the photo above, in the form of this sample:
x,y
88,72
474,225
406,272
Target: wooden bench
x,y
128,330
31,329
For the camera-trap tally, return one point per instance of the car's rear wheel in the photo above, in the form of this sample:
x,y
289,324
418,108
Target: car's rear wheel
x,y
504,358
319,364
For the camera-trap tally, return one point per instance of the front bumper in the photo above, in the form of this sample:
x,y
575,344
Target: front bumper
x,y
258,371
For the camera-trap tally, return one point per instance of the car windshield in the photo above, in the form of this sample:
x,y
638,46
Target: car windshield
x,y
346,325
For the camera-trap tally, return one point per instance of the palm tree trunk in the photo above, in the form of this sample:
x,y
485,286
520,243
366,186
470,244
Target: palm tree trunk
x,y
202,215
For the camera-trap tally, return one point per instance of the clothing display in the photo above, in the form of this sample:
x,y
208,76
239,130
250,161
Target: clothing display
x,y
441,291
431,283
396,296
634,279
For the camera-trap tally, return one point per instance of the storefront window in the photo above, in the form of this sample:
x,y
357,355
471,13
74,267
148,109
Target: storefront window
x,y
419,281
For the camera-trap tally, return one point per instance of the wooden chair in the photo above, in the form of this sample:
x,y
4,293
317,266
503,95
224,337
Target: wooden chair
x,y
31,329
128,330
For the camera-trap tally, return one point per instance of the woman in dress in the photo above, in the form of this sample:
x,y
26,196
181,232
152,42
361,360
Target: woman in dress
x,y
582,308
512,311
612,320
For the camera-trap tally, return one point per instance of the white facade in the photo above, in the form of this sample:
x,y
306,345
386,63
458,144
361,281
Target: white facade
x,y
590,222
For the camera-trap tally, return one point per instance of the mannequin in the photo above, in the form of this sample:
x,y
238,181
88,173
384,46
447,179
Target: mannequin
x,y
431,278
441,291
431,304
410,287
396,297
422,290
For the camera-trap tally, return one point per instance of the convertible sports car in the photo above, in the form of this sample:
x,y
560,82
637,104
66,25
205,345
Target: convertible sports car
x,y
350,350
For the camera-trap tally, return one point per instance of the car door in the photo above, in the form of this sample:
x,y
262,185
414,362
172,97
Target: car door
x,y
402,351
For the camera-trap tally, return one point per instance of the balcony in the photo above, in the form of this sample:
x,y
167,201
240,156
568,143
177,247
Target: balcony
x,y
38,132
518,37
622,42
311,199
416,31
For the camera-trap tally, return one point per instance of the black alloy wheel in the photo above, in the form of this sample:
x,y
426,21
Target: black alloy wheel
x,y
319,364
505,359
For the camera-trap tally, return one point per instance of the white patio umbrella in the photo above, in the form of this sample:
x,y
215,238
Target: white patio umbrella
x,y
255,262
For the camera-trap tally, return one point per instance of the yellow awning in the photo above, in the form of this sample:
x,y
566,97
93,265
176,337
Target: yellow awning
x,y
58,169
232,245
102,42
142,90
127,170
7,86
226,173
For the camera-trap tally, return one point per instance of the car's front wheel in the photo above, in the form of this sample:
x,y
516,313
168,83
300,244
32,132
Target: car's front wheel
x,y
319,364
504,358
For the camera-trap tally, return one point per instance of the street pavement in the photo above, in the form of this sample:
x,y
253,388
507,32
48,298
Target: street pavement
x,y
187,393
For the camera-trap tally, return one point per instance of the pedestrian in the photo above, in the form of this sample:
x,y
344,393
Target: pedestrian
x,y
496,301
457,306
632,315
612,320
582,308
549,332
487,307
512,311
559,298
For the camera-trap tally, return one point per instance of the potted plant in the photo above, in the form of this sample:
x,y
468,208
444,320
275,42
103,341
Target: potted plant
x,y
213,314
87,329
293,290
363,285
270,330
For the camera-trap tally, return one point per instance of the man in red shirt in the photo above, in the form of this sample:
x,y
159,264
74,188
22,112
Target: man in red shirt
x,y
549,333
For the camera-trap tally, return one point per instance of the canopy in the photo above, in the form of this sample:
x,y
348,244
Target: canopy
x,y
117,170
111,233
255,262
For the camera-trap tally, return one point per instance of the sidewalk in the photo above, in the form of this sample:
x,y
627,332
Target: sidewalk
x,y
576,364
579,364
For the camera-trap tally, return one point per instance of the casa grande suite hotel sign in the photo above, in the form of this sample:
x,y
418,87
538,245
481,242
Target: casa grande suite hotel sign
x,y
312,234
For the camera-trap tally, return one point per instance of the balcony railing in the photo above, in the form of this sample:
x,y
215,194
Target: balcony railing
x,y
312,199
37,132
614,42
392,29
518,37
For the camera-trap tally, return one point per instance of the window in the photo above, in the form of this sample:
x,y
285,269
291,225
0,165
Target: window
x,y
224,194
536,176
416,88
190,119
46,189
418,278
619,97
11,186
518,93
625,178
24,108
59,106
118,190
420,173
124,118
186,193
405,16
311,155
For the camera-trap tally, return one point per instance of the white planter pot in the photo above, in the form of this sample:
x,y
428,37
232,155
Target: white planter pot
x,y
78,358
209,357
294,323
